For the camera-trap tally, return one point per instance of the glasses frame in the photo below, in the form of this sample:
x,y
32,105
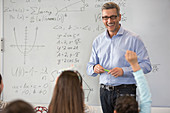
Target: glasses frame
x,y
112,17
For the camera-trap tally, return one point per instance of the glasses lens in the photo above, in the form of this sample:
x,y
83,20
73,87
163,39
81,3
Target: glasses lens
x,y
105,18
113,17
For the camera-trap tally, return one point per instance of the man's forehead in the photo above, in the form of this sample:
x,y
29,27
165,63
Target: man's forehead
x,y
109,11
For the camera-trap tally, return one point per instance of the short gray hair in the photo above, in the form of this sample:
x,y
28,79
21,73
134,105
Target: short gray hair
x,y
111,5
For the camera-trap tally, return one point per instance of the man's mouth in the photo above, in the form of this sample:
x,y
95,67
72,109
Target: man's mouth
x,y
110,24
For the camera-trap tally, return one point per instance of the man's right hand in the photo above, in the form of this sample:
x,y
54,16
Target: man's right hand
x,y
98,69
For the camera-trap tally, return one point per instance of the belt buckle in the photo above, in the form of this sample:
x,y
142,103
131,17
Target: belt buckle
x,y
102,86
110,88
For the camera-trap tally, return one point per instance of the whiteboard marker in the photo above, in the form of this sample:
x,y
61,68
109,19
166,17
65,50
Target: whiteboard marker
x,y
106,70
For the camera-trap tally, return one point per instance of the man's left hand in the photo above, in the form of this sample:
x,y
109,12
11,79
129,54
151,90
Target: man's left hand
x,y
116,72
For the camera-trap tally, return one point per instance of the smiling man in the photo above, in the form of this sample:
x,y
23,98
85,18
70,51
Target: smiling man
x,y
108,58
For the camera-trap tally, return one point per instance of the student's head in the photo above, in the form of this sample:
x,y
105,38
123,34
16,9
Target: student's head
x,y
126,104
68,94
1,84
111,17
19,106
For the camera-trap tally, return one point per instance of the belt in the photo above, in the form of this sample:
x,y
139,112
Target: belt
x,y
111,88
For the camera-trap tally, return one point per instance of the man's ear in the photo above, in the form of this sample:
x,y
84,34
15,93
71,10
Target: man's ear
x,y
115,111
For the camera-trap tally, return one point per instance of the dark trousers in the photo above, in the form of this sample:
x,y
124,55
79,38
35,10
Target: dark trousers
x,y
108,97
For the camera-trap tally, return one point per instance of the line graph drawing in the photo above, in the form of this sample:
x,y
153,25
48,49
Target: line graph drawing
x,y
74,7
25,48
78,6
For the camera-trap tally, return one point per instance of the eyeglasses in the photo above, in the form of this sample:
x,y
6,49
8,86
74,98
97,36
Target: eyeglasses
x,y
113,17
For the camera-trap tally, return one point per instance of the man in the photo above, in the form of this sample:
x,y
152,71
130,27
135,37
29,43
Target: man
x,y
127,104
108,52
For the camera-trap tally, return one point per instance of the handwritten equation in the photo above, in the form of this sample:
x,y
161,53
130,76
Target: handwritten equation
x,y
89,28
67,48
34,81
30,89
34,14
29,72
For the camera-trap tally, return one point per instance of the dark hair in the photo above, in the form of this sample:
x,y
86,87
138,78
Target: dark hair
x,y
111,5
126,104
18,106
68,96
0,78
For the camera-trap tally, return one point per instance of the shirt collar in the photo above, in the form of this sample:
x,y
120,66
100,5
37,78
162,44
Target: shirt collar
x,y
121,30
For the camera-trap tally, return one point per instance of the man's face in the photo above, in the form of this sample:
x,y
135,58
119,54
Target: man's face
x,y
111,20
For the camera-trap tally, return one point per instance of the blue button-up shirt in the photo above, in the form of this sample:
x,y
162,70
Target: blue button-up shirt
x,y
110,53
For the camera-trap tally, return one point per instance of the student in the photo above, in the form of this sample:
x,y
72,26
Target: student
x,y
127,104
18,106
108,51
68,96
2,104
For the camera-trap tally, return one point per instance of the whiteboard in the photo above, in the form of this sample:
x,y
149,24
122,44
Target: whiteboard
x,y
43,36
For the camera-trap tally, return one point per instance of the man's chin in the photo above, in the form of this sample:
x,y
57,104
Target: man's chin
x,y
111,30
